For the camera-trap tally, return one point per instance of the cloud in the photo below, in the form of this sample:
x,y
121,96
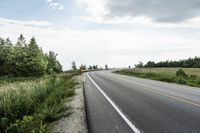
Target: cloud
x,y
101,47
156,11
54,5
4,21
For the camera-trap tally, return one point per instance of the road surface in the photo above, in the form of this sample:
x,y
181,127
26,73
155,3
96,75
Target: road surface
x,y
123,104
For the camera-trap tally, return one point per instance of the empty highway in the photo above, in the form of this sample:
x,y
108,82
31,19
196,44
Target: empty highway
x,y
123,104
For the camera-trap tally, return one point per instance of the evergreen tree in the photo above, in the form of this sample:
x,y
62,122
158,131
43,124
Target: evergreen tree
x,y
74,66
20,57
53,64
21,42
36,61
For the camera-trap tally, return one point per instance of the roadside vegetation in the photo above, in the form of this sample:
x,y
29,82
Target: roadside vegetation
x,y
25,106
185,76
33,87
22,59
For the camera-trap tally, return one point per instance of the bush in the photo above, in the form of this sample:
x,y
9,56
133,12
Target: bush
x,y
198,81
180,80
27,124
193,76
181,73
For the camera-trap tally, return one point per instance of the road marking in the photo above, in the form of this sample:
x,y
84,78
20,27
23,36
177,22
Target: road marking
x,y
115,106
161,93
171,96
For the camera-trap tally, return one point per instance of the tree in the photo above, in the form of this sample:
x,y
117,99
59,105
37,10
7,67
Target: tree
x,y
36,61
21,42
140,65
82,67
150,64
95,67
24,59
9,57
106,67
53,64
90,67
20,52
73,66
2,56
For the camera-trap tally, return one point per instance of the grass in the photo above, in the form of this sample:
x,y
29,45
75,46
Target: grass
x,y
27,105
166,75
171,71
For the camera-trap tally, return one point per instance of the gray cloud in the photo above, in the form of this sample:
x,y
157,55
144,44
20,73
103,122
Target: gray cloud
x,y
158,10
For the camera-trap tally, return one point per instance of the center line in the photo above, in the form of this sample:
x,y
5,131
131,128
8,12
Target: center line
x,y
115,106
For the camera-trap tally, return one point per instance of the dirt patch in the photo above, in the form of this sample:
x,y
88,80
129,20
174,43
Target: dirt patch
x,y
76,122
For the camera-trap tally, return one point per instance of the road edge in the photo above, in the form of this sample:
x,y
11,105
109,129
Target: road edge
x,y
76,122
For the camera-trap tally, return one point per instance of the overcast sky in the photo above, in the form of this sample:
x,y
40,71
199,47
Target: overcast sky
x,y
114,32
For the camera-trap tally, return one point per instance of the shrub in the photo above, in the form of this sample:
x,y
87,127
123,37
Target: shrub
x,y
27,124
198,81
180,80
193,76
181,73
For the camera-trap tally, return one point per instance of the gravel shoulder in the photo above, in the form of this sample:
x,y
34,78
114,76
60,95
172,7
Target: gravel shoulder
x,y
76,122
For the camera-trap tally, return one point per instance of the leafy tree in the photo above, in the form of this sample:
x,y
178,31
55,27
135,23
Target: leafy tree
x,y
24,59
150,64
140,65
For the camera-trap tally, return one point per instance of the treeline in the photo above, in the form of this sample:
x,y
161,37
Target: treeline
x,y
84,67
26,59
187,63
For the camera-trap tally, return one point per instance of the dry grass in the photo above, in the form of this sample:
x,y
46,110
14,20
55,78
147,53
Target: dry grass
x,y
22,84
169,71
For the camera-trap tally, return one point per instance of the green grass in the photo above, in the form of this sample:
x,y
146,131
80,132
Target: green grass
x,y
27,105
166,75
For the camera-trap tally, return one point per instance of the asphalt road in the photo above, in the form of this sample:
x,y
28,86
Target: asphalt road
x,y
122,104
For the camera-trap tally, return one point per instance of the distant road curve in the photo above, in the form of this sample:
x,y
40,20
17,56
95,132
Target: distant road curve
x,y
122,104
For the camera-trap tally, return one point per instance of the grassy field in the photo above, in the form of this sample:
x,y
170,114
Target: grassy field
x,y
27,105
166,75
170,71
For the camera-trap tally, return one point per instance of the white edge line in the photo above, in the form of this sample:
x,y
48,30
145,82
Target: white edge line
x,y
115,107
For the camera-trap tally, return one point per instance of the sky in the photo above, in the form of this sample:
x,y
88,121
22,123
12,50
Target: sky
x,y
114,32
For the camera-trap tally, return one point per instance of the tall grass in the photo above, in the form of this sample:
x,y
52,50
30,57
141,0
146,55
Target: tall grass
x,y
26,105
